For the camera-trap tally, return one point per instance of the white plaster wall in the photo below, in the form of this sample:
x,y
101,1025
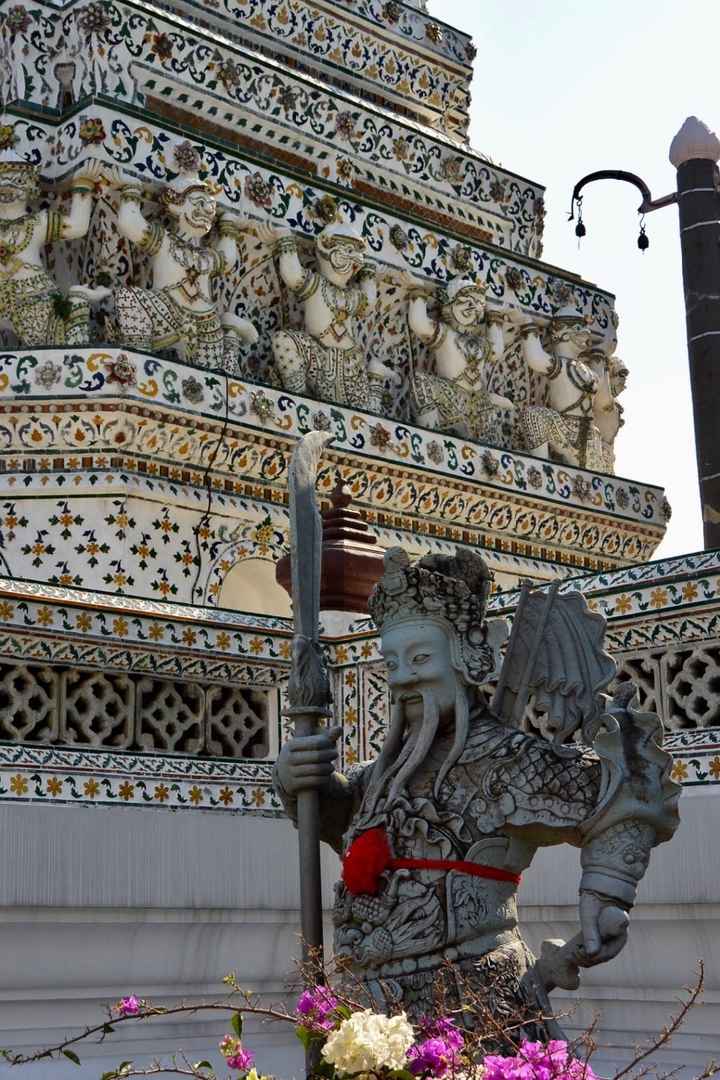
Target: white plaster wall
x,y
675,923
99,902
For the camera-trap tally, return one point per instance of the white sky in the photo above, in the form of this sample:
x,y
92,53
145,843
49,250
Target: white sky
x,y
563,88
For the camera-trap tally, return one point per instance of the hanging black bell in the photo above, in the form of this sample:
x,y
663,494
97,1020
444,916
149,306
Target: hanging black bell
x,y
580,229
643,241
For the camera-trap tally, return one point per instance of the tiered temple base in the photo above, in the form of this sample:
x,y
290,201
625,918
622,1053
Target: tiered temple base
x,y
138,727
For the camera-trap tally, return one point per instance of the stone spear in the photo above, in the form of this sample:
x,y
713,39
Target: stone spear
x,y
308,687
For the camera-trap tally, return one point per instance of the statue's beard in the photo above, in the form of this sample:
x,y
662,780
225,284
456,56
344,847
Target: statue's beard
x,y
406,748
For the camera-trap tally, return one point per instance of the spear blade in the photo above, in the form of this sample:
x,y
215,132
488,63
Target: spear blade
x,y
308,686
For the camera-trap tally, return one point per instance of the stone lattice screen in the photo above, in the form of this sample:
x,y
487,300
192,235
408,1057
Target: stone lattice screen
x,y
71,707
682,684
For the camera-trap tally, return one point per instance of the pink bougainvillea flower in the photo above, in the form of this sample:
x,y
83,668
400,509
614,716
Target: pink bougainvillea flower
x,y
242,1060
235,1056
538,1061
129,1006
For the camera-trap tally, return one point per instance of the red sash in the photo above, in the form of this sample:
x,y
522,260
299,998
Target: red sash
x,y
369,856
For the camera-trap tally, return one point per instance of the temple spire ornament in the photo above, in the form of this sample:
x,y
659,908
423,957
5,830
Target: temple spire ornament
x,y
352,560
694,142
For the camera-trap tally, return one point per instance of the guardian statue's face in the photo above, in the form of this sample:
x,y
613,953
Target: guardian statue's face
x,y
618,376
340,258
196,213
468,308
417,655
16,191
578,335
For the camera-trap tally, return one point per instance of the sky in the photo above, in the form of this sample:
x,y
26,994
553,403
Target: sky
x,y
562,88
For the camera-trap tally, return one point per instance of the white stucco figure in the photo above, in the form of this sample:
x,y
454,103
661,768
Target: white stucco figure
x,y
30,301
324,359
179,310
611,375
564,427
454,398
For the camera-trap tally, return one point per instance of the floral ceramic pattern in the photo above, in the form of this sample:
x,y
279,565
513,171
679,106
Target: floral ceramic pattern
x,y
52,775
697,757
133,461
121,58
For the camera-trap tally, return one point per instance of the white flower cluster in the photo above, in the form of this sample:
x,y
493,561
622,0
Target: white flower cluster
x,y
369,1041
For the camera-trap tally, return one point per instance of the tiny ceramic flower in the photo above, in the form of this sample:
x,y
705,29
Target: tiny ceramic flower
x,y
17,20
259,191
186,157
92,132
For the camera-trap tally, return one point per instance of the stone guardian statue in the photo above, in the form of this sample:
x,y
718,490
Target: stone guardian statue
x,y
30,301
436,832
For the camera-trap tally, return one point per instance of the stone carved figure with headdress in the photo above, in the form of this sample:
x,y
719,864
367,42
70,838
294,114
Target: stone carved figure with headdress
x,y
324,360
437,831
564,426
30,301
179,310
453,398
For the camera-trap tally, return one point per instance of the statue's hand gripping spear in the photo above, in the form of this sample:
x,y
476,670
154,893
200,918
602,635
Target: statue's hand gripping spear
x,y
308,687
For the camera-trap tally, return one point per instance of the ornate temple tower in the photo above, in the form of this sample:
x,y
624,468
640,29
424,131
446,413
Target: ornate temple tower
x,y
224,223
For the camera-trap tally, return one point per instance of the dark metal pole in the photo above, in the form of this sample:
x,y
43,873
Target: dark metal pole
x,y
308,816
695,152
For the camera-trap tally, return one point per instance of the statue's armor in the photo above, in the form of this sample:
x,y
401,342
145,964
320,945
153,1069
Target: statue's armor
x,y
331,374
572,428
506,788
470,412
27,291
540,424
328,369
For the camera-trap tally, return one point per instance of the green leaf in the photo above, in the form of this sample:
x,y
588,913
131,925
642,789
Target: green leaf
x,y
237,1025
304,1035
107,1029
112,1075
202,1065
72,1056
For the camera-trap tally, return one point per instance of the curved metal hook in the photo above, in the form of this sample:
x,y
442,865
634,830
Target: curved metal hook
x,y
647,204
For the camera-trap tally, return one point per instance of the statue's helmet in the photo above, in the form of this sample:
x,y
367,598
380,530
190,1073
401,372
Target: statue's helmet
x,y
449,590
464,286
175,193
18,174
568,321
